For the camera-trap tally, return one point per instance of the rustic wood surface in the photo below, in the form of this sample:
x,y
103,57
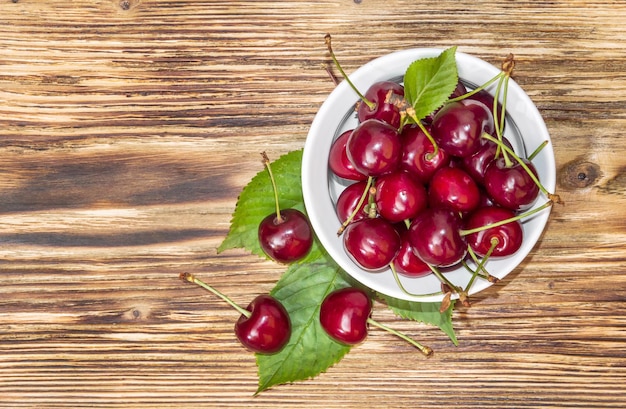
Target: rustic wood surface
x,y
128,128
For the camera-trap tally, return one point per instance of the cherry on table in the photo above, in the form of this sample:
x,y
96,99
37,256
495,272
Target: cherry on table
x,y
344,314
264,326
285,236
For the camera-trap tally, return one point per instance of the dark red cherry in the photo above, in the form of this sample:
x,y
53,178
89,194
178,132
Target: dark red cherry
x,y
338,160
399,197
406,261
383,110
458,127
455,189
509,235
417,154
372,243
511,187
374,148
348,200
477,163
344,314
486,98
268,328
436,238
288,238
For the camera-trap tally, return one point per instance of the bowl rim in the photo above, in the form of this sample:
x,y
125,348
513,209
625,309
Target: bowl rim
x,y
338,105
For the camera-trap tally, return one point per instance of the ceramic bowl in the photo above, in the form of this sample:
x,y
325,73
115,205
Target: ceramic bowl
x,y
524,128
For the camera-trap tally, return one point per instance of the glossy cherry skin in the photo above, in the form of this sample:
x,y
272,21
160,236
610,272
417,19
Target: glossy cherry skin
x,y
268,328
399,197
486,98
511,187
348,200
374,148
436,238
509,235
455,189
383,111
458,127
344,314
406,261
286,241
417,154
338,161
476,164
372,243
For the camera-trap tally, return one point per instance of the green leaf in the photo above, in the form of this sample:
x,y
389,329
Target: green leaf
x,y
428,82
425,312
256,201
310,350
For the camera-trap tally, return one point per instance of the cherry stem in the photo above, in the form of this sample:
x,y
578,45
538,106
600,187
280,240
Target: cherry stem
x,y
366,193
404,290
266,162
192,279
498,124
547,204
520,161
435,151
480,264
536,151
462,294
476,90
327,39
424,349
330,74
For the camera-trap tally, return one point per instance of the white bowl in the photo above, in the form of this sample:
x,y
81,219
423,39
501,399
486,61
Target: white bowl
x,y
524,128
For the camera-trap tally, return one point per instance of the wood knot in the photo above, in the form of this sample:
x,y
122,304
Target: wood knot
x,y
126,5
579,174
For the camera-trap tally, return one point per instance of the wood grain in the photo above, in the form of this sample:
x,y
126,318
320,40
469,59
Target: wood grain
x,y
128,128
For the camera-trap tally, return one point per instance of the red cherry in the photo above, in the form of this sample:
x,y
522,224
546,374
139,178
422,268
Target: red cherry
x,y
458,127
376,95
417,154
268,328
264,325
344,314
406,261
372,243
398,197
436,238
511,186
374,148
287,239
509,235
338,159
455,189
348,200
476,164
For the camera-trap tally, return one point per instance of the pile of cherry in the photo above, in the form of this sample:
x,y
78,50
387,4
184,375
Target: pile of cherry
x,y
429,196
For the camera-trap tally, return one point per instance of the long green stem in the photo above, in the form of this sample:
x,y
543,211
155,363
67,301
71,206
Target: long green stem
x,y
370,104
403,289
266,162
192,279
424,349
506,221
537,150
476,90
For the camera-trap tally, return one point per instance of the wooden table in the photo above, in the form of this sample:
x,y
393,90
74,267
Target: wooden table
x,y
128,128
